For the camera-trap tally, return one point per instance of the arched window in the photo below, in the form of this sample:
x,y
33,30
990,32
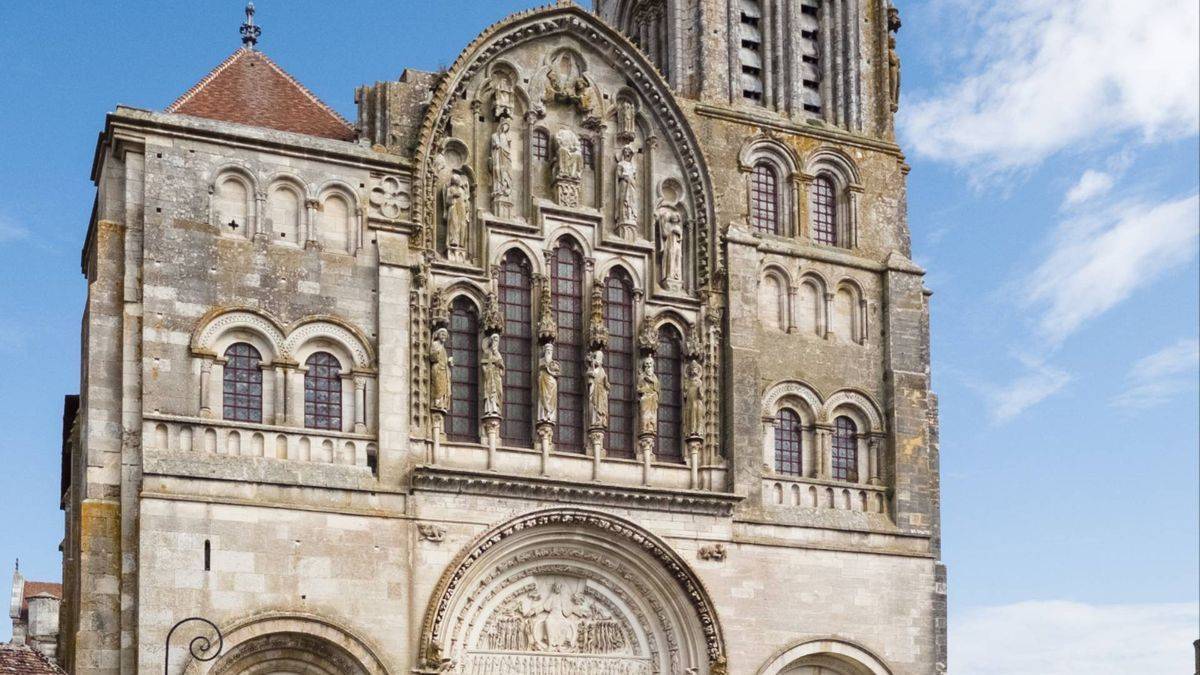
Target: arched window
x,y
823,196
845,449
243,383
541,144
764,199
619,362
845,315
809,301
462,424
336,223
772,303
566,279
284,207
789,444
668,365
516,344
323,392
231,205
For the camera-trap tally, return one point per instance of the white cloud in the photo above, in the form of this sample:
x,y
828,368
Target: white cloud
x,y
1159,377
1100,258
1049,75
1039,382
1070,638
10,231
1091,184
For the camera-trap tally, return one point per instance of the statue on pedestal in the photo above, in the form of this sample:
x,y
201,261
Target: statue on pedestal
x,y
648,394
598,391
491,363
627,219
548,372
439,371
669,226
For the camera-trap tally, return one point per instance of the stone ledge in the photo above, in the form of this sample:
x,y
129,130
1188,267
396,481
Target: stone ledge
x,y
439,479
259,470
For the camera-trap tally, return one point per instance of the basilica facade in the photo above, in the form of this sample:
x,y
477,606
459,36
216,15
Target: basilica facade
x,y
601,352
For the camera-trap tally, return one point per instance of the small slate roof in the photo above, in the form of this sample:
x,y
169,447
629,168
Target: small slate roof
x,y
22,660
249,88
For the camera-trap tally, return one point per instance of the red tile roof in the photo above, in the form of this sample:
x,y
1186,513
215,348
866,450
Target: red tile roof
x,y
21,660
33,588
249,88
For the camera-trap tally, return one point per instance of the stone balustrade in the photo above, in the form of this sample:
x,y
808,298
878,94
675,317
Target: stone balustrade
x,y
240,439
811,493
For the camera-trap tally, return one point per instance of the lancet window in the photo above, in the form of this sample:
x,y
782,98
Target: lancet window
x,y
323,392
845,449
789,447
566,278
619,362
243,384
668,365
462,424
515,285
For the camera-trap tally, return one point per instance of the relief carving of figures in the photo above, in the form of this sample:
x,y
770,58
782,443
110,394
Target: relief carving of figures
x,y
561,621
491,363
458,215
439,371
565,84
502,103
568,167
597,329
500,164
547,324
548,372
598,391
648,393
627,219
693,396
669,225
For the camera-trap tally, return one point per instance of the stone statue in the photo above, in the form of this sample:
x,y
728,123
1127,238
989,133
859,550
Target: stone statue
x,y
500,162
893,73
627,193
502,105
458,211
491,363
669,226
439,371
648,392
556,625
548,372
626,120
564,84
598,391
568,167
693,397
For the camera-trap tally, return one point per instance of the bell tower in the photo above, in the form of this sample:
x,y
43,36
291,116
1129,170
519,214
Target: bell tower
x,y
823,60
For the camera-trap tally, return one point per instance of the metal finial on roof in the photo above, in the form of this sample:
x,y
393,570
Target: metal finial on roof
x,y
250,32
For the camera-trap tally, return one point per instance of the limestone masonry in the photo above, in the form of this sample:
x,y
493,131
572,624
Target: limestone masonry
x,y
601,352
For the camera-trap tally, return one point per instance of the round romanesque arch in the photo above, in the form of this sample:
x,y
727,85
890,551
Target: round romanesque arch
x,y
575,591
826,656
290,643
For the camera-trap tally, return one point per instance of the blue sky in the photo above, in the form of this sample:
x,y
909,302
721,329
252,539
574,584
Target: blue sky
x,y
1053,199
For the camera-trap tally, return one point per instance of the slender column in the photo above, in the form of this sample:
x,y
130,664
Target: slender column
x,y
825,54
257,225
854,34
491,433
310,222
791,309
206,386
280,394
646,448
824,446
693,460
873,444
360,404
826,311
766,30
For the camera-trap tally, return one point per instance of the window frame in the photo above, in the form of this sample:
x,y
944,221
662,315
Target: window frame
x,y
250,366
517,345
789,442
844,449
462,420
669,367
566,299
329,375
767,199
620,362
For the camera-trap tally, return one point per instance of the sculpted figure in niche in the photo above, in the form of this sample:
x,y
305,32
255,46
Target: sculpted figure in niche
x,y
458,213
668,221
893,73
500,163
627,193
598,391
693,396
565,85
502,106
548,372
568,167
626,120
439,375
648,392
492,364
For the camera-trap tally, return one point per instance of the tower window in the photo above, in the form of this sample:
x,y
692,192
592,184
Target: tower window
x,y
789,448
463,422
619,362
243,384
824,210
764,199
566,278
845,450
323,392
516,344
541,144
668,365
750,55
